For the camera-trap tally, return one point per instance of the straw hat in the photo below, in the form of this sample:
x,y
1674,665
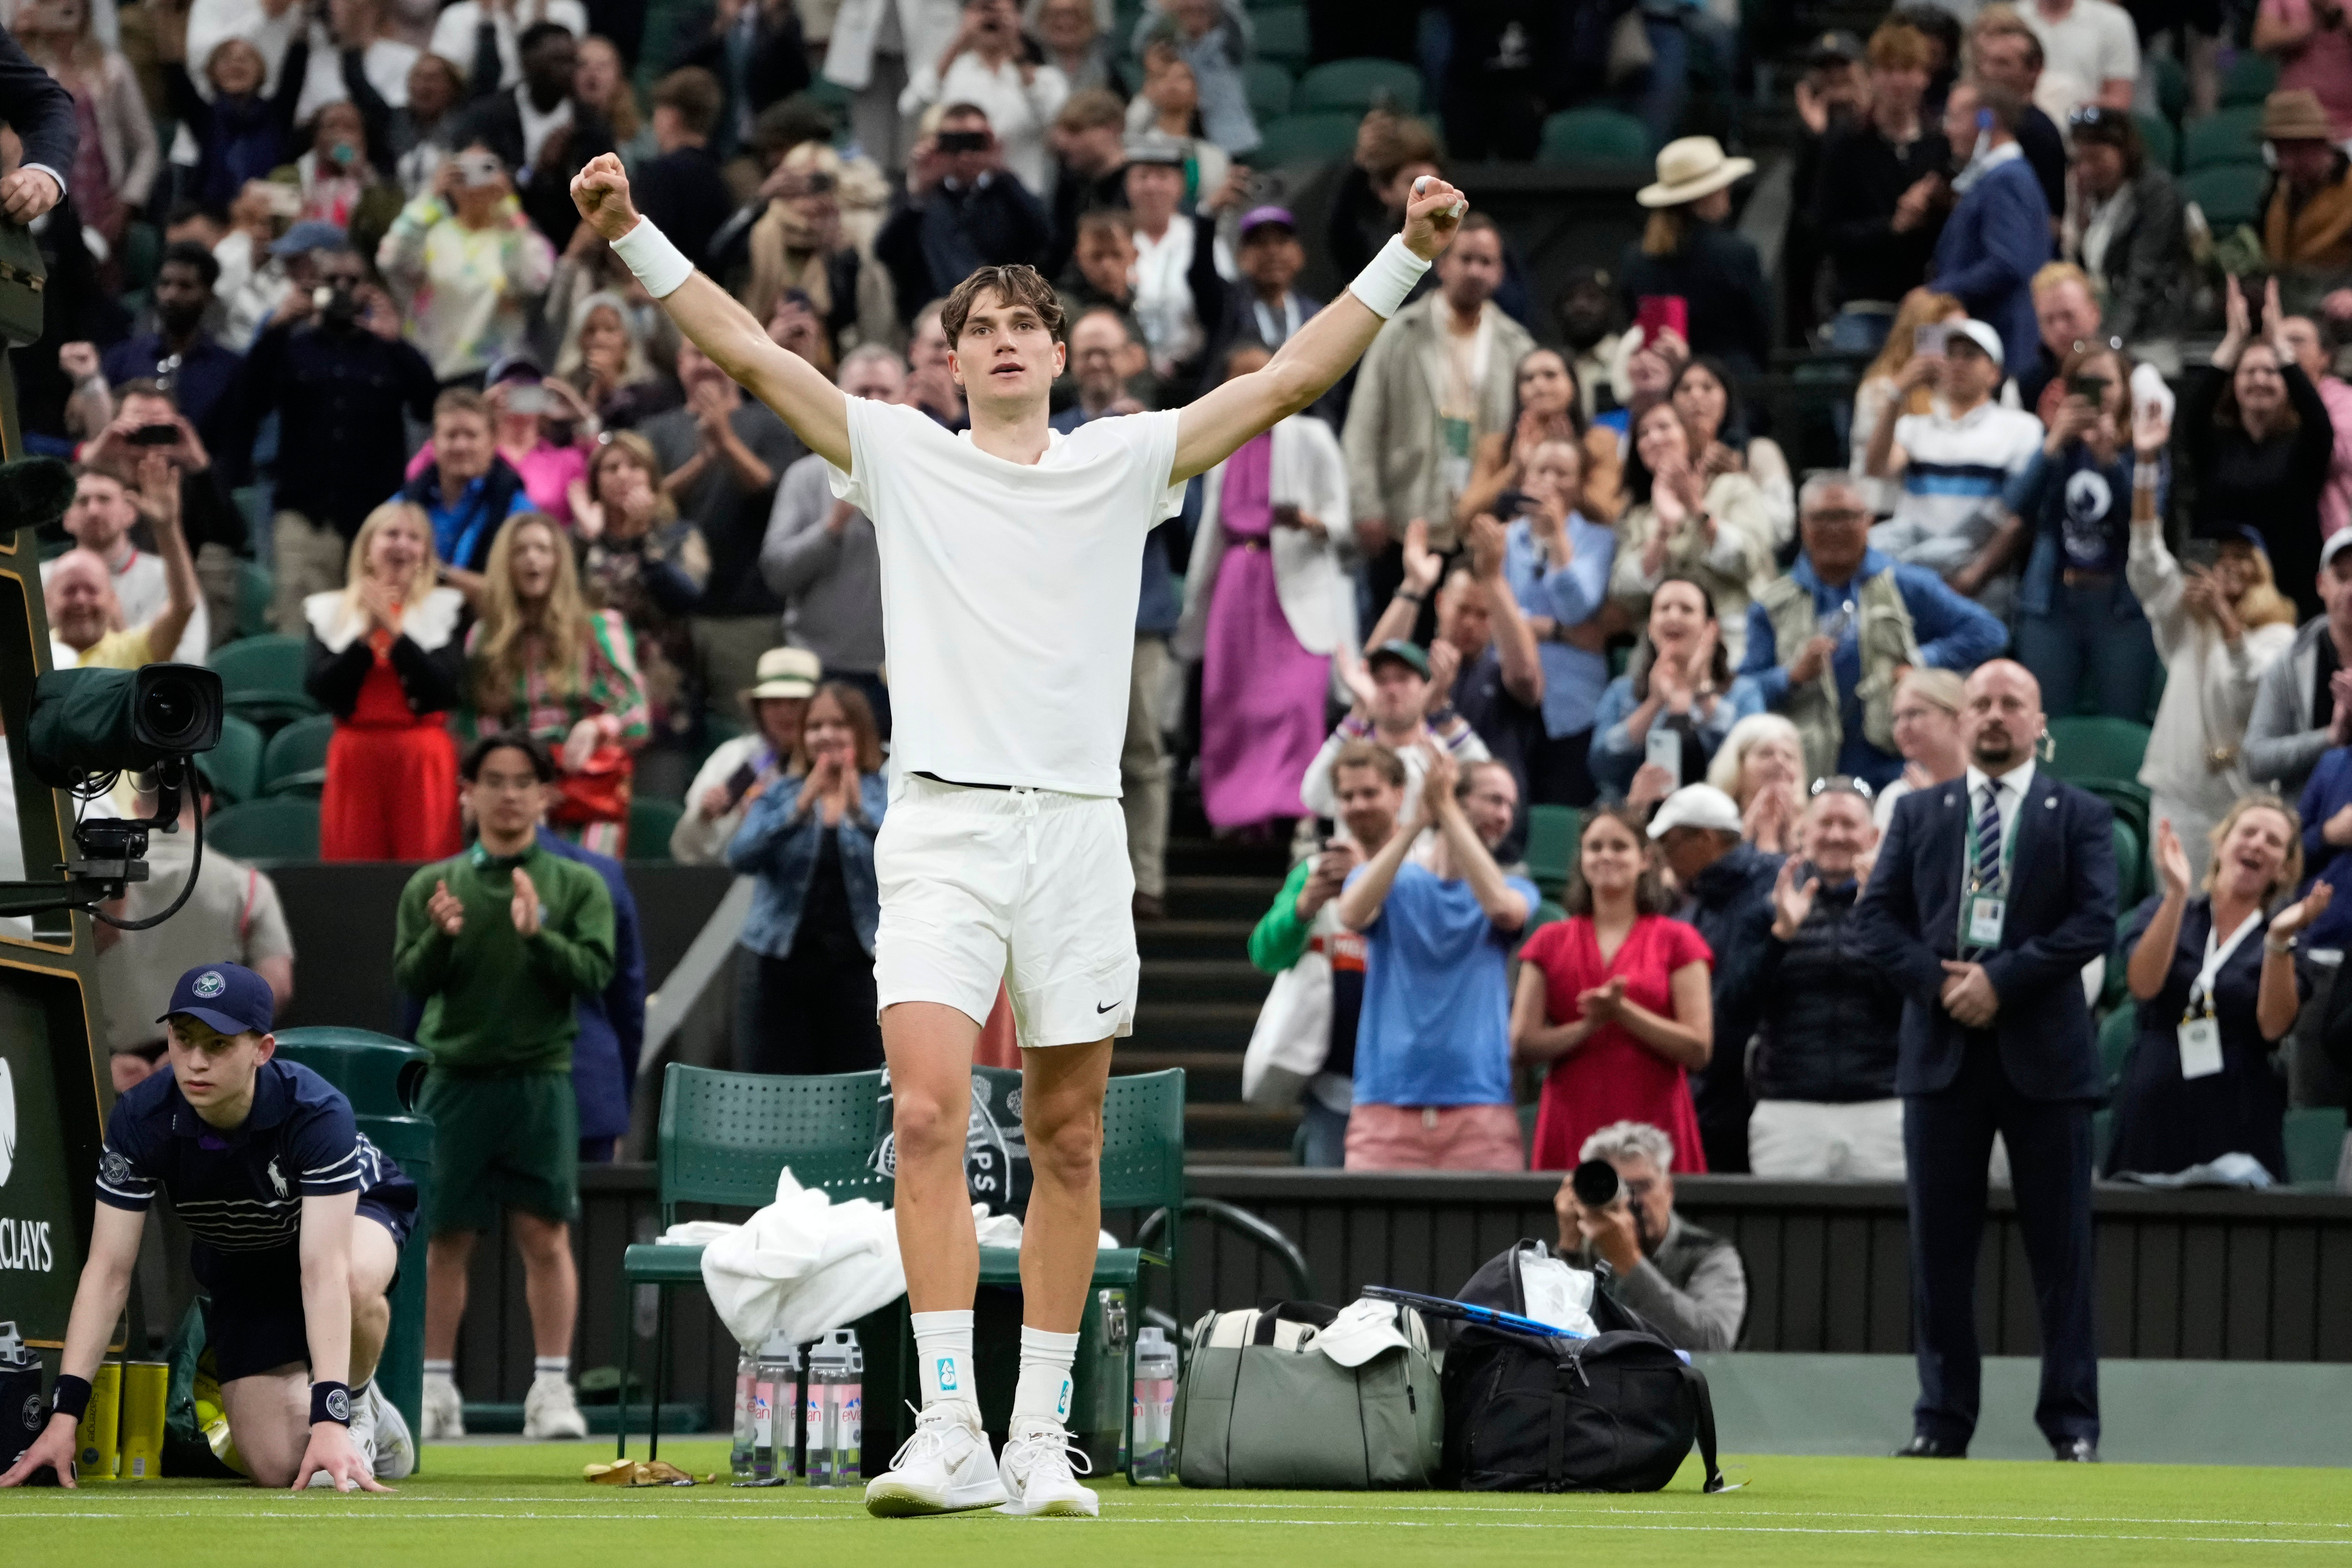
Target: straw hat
x,y
2295,115
1690,168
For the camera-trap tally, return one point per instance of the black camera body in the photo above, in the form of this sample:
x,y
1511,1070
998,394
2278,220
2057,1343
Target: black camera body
x,y
87,723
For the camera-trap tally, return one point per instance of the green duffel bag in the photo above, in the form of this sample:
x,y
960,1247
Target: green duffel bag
x,y
1299,1397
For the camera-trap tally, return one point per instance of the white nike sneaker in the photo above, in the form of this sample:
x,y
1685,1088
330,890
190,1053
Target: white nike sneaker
x,y
1037,1474
443,1415
944,1468
363,1425
388,1447
548,1411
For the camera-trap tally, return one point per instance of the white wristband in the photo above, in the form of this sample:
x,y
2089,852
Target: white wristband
x,y
1388,277
660,266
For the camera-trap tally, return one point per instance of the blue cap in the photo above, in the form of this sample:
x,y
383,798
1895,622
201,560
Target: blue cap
x,y
227,996
311,234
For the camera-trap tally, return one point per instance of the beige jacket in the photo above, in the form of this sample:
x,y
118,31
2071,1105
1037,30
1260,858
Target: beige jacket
x,y
1394,468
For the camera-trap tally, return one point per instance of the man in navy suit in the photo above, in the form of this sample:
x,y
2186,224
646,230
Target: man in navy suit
x,y
1990,895
1998,236
42,114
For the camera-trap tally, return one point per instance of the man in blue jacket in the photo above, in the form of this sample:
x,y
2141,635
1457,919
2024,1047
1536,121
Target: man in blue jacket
x,y
1989,896
1998,235
612,1023
1828,642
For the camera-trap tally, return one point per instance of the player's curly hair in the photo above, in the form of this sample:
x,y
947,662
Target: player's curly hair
x,y
1019,284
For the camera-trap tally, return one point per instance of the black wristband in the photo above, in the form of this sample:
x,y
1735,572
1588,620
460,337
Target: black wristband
x,y
1411,598
71,1396
330,1402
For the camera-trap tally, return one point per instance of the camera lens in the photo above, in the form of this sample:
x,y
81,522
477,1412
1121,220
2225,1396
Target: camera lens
x,y
1595,1183
168,709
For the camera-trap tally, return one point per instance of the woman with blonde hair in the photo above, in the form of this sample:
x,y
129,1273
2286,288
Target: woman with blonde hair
x,y
1926,732
1762,765
2218,626
801,243
545,663
2216,993
636,558
602,358
385,659
1920,308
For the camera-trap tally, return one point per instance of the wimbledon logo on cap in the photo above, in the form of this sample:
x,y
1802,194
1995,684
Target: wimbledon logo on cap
x,y
209,984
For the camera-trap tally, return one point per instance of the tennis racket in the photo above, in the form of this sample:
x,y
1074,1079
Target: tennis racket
x,y
1464,1312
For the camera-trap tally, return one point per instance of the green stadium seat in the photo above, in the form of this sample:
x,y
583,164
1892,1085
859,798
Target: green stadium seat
x,y
1269,86
1551,847
2314,1144
1358,85
2162,141
2171,85
261,678
1589,136
2224,136
2115,1044
651,821
296,761
2250,78
2131,864
1280,32
254,588
1308,139
142,254
233,766
275,828
2229,194
2096,748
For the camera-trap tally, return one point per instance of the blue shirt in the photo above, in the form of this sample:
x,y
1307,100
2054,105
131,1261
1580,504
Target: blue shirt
x,y
2081,517
2328,792
1615,759
1436,1024
1574,678
1953,633
612,1024
241,1192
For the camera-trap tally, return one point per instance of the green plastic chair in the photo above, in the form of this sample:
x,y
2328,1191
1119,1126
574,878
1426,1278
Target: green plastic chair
x,y
2171,85
275,828
261,678
2224,136
2314,1144
233,766
1585,136
1269,86
2163,143
2116,1037
1308,139
2250,78
143,255
1551,847
2229,194
254,588
2096,748
296,761
2135,828
1358,85
651,821
1280,32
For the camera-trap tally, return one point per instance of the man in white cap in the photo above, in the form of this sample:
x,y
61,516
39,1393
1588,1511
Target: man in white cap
x,y
1953,462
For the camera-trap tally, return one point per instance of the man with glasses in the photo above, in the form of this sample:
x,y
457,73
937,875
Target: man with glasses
x,y
500,944
1828,642
1687,1283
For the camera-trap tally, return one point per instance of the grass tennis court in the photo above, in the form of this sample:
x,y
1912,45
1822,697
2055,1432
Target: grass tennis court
x,y
524,1506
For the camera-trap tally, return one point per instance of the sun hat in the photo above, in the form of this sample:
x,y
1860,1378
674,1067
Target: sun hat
x,y
1692,168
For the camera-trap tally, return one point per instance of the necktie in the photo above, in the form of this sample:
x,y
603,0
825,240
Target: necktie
x,y
1988,866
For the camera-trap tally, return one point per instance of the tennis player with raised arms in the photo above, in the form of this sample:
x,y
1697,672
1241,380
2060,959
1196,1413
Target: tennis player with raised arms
x,y
1012,560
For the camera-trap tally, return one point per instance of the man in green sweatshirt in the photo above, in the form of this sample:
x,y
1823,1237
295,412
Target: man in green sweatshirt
x,y
497,944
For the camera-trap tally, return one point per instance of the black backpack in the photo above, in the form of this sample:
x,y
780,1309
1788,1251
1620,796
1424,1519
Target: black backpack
x,y
1617,1413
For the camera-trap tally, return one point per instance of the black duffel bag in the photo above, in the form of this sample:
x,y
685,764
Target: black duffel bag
x,y
1617,1413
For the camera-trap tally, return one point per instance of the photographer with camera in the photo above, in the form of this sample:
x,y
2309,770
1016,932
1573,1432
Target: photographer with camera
x,y
962,211
468,266
1618,1207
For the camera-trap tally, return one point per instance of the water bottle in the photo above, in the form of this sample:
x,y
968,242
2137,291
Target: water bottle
x,y
1155,1407
763,1400
837,1410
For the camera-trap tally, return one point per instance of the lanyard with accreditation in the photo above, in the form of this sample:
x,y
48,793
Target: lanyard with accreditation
x,y
2200,1032
1983,909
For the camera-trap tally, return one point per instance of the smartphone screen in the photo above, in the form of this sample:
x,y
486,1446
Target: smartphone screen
x,y
1930,339
1664,746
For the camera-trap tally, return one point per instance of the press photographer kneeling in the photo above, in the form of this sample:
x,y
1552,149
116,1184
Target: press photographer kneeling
x,y
1618,1206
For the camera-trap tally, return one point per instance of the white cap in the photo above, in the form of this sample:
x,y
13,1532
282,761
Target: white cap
x,y
1982,334
2338,543
1698,806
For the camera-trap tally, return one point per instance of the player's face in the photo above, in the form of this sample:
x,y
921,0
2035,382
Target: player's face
x,y
215,1070
1006,355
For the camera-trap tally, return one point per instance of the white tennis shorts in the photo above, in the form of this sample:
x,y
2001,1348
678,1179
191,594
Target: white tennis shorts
x,y
1029,886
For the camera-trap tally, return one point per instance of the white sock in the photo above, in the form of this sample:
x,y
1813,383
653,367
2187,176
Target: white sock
x,y
943,1352
1043,1392
552,1366
445,1369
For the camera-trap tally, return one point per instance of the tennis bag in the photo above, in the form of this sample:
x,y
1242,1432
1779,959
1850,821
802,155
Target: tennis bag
x,y
1616,1412
1262,1405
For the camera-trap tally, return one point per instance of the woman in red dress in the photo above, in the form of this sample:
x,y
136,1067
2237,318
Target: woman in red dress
x,y
1615,999
386,660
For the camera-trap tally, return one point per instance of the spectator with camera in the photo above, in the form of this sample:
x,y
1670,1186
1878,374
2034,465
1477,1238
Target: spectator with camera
x,y
385,657
1999,234
1370,781
802,241
2066,314
99,521
987,67
467,491
777,701
468,264
1658,726
1686,1282
1613,1001
961,210
1432,1046
148,422
87,621
2259,438
1828,642
1399,705
602,358
500,944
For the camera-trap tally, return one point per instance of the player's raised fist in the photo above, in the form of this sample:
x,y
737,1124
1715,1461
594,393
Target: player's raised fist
x,y
1432,215
601,192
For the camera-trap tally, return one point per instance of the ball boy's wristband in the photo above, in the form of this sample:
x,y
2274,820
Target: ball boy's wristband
x,y
330,1402
71,1396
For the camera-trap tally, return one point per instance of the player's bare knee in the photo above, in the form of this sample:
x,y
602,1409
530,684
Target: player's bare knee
x,y
924,1127
1066,1150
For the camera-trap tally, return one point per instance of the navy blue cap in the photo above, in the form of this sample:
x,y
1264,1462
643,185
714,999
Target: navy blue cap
x,y
227,996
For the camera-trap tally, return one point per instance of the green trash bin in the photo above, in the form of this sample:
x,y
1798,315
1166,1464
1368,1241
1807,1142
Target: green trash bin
x,y
383,1078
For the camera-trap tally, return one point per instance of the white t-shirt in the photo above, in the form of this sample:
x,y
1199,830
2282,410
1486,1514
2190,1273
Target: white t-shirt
x,y
455,34
2094,43
1009,591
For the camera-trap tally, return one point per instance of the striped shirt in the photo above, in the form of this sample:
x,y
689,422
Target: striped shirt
x,y
1952,478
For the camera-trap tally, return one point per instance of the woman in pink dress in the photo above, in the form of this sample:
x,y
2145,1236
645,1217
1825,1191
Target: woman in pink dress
x,y
1615,999
1266,609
